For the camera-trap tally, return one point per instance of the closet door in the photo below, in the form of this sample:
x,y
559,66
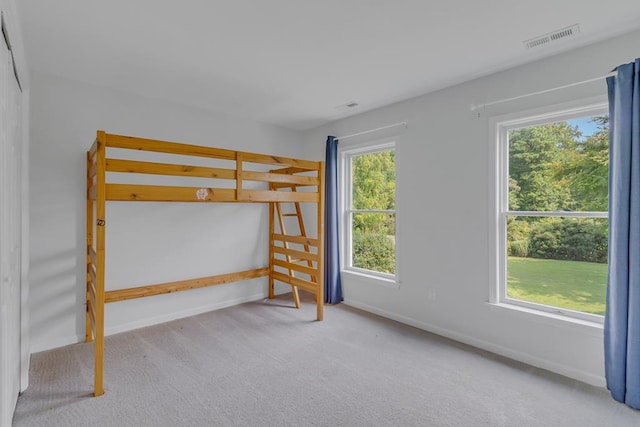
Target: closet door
x,y
10,235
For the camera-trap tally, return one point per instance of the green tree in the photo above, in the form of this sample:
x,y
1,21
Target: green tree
x,y
537,158
555,167
374,187
589,171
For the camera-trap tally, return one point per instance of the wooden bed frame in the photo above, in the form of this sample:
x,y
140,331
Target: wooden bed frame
x,y
288,253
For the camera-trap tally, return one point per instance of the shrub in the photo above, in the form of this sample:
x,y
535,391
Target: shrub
x,y
519,248
544,243
569,239
374,252
518,243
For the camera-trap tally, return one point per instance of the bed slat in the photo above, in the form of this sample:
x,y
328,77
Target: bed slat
x,y
92,299
92,255
93,149
279,178
143,144
158,193
92,317
285,185
296,254
296,281
183,285
290,170
92,274
297,267
131,166
305,165
93,170
296,239
277,196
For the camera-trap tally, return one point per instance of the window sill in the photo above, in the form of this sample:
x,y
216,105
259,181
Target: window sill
x,y
557,320
382,281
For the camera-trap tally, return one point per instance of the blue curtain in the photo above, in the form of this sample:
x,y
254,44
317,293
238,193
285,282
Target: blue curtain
x,y
332,282
622,318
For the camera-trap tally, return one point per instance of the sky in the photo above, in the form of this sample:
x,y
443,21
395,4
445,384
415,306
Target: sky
x,y
585,125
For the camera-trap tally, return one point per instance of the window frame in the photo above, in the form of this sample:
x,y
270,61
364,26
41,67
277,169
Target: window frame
x,y
499,129
345,155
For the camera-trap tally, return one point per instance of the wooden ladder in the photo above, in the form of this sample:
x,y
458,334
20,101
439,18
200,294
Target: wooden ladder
x,y
303,233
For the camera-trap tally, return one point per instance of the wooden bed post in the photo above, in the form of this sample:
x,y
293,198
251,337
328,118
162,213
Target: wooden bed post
x,y
100,237
320,296
271,243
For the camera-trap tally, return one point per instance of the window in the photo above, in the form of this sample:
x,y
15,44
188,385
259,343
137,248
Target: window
x,y
369,209
552,212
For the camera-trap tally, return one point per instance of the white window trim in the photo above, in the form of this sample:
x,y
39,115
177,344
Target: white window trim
x,y
499,126
345,153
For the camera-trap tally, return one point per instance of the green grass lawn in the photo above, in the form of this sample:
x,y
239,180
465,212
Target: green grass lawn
x,y
574,285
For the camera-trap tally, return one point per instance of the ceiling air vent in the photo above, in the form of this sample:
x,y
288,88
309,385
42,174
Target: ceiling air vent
x,y
552,37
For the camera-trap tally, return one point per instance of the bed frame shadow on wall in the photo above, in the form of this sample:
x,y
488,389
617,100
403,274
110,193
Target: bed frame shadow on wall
x,y
288,254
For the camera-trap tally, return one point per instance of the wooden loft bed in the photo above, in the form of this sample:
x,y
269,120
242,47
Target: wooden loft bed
x,y
296,260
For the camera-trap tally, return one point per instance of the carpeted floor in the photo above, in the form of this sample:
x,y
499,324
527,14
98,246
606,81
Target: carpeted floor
x,y
267,364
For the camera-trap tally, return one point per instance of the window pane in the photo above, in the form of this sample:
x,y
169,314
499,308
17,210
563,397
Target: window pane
x,y
561,262
374,181
373,242
560,166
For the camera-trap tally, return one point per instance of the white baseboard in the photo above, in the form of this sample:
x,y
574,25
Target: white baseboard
x,y
549,365
42,345
150,321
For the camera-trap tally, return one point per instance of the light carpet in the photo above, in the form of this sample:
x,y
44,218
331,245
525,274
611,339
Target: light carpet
x,y
268,364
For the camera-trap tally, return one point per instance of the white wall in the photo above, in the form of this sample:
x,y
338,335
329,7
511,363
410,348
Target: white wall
x,y
14,354
146,242
445,213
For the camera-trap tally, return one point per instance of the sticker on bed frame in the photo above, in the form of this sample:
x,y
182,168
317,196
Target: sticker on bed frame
x,y
201,194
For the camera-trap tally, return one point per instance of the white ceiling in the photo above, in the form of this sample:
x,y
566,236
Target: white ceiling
x,y
292,62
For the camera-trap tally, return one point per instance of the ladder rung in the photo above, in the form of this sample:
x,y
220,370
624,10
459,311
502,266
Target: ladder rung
x,y
292,214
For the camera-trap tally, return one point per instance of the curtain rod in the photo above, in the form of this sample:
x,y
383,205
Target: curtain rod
x,y
405,124
526,95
